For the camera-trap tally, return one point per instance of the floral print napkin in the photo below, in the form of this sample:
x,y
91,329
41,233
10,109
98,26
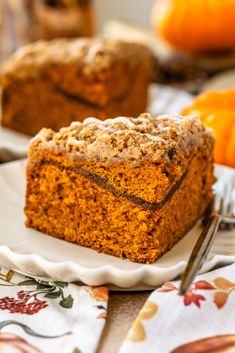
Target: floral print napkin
x,y
44,317
202,321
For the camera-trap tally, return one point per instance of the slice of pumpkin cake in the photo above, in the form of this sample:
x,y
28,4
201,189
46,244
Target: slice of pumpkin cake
x,y
52,83
129,187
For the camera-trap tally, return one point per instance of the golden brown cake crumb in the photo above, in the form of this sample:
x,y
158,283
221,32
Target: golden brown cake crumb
x,y
52,83
127,187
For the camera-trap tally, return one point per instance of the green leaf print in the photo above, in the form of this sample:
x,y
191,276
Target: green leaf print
x,y
67,302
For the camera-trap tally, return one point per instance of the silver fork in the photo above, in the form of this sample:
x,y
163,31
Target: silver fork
x,y
223,212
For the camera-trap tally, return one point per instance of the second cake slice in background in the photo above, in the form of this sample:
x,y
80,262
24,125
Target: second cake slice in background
x,y
50,84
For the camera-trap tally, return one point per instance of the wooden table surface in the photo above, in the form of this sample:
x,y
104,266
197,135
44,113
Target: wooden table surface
x,y
122,310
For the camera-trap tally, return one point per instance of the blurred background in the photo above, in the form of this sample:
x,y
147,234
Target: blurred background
x,y
133,11
186,54
24,20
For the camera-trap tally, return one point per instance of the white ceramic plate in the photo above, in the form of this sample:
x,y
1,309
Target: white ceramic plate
x,y
162,99
30,251
13,145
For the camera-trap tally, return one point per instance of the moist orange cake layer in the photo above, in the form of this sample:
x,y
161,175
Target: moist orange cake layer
x,y
117,186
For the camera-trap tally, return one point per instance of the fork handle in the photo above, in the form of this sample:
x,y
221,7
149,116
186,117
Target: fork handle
x,y
200,252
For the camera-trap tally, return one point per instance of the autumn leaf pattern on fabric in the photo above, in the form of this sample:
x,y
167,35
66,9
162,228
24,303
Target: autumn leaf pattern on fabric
x,y
137,332
99,294
220,299
192,296
201,321
13,343
27,301
221,286
223,283
167,287
39,316
204,285
225,289
216,344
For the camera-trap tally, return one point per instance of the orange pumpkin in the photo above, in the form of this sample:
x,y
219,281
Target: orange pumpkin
x,y
196,25
216,109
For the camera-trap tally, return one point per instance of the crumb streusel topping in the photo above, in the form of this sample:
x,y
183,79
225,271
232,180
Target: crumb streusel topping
x,y
91,55
158,139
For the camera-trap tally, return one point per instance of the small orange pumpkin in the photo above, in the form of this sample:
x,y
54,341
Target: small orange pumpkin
x,y
196,25
216,109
